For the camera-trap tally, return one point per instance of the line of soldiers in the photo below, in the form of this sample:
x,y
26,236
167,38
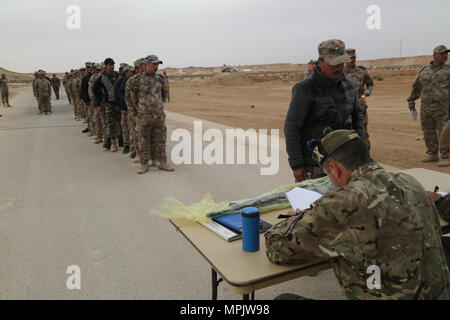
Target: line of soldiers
x,y
42,92
123,109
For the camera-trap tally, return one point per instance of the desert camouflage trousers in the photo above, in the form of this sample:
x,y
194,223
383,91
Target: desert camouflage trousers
x,y
432,121
98,126
44,104
152,138
133,133
112,115
69,95
125,129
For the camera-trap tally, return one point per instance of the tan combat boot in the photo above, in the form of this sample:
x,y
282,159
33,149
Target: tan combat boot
x,y
143,169
137,159
114,145
90,134
164,166
98,140
430,158
154,163
444,163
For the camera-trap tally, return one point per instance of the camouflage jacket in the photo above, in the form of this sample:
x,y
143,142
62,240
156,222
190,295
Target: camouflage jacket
x,y
147,94
130,106
92,80
378,219
432,84
363,81
3,85
75,85
43,88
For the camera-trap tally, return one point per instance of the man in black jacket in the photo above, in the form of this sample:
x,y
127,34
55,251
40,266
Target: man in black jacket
x,y
325,99
103,89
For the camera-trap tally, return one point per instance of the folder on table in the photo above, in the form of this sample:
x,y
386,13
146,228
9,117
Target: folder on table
x,y
229,226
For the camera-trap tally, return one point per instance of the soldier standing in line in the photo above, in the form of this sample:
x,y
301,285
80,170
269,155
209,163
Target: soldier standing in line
x,y
86,102
432,84
147,97
104,96
363,85
139,66
97,122
119,89
4,91
64,82
75,94
56,84
44,93
36,76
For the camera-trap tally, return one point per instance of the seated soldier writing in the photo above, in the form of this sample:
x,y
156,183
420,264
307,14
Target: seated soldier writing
x,y
372,218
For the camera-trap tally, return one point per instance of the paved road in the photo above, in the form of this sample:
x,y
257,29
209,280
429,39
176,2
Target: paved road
x,y
64,201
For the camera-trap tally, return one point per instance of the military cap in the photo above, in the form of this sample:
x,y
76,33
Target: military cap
x,y
152,59
42,72
97,66
102,64
312,62
445,135
332,141
82,69
109,61
128,68
333,52
440,49
122,65
88,64
351,53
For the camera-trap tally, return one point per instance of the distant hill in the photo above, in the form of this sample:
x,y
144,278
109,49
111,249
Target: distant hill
x,y
385,62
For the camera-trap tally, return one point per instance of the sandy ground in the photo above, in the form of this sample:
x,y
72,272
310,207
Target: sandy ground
x,y
396,138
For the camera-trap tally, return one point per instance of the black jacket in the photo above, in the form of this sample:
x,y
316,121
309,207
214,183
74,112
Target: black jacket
x,y
119,89
318,102
84,90
103,88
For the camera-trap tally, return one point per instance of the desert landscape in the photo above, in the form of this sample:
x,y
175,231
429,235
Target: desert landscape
x,y
226,98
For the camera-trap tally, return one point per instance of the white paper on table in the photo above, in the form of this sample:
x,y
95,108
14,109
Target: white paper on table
x,y
300,198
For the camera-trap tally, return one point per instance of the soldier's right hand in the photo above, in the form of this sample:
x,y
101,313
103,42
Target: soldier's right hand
x,y
300,175
412,105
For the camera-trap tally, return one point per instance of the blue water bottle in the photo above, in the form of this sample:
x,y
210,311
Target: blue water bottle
x,y
250,229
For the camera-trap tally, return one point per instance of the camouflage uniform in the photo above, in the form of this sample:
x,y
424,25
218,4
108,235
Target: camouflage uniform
x,y
70,93
97,121
378,218
147,95
364,86
432,84
56,84
44,93
166,88
4,92
132,118
75,95
81,106
65,80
